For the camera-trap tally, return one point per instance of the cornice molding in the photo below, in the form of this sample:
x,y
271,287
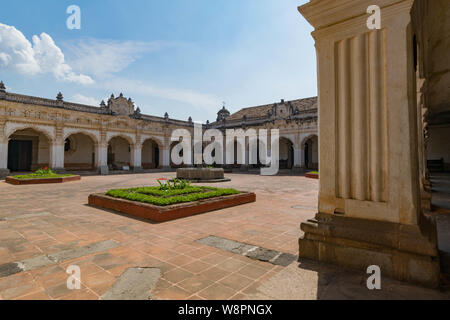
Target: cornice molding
x,y
326,13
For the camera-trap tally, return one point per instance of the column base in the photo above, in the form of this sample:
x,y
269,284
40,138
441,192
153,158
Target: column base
x,y
59,170
103,170
243,168
401,251
297,169
137,169
4,173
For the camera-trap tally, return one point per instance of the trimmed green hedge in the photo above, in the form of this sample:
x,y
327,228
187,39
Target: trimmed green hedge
x,y
157,191
155,196
42,176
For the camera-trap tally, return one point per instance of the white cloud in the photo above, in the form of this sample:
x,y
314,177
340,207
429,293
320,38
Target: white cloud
x,y
43,56
103,57
96,57
90,101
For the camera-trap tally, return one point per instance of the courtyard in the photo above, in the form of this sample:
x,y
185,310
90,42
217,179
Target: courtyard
x,y
43,221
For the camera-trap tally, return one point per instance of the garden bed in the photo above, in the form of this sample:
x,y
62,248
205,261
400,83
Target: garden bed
x,y
312,175
159,205
42,180
41,176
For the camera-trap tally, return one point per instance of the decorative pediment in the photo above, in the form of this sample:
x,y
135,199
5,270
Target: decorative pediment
x,y
121,105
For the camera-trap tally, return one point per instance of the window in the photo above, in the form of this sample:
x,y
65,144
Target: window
x,y
67,145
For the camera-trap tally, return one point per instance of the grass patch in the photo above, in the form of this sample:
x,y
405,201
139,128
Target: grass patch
x,y
42,176
158,197
314,172
44,173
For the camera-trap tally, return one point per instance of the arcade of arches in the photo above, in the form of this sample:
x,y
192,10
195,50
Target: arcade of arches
x,y
64,136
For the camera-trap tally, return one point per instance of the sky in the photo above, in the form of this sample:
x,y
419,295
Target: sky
x,y
184,57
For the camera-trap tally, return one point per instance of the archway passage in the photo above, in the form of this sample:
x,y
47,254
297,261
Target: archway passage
x,y
79,153
286,154
28,150
311,150
119,154
151,155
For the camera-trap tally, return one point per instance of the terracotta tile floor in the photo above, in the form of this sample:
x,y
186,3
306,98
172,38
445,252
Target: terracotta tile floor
x,y
189,270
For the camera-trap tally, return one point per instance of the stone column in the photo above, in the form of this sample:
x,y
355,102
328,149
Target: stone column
x,y
298,163
3,158
136,158
101,150
369,197
57,155
244,167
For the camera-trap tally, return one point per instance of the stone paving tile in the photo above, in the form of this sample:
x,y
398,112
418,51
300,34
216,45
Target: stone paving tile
x,y
84,294
188,268
197,267
177,275
173,293
195,283
236,281
217,292
40,295
60,290
215,273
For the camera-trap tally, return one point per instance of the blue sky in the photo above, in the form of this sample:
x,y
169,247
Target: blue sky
x,y
183,57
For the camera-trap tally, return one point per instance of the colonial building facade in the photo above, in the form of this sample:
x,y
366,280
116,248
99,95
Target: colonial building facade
x,y
297,124
37,132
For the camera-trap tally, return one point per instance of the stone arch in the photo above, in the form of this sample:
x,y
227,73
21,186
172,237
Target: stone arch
x,y
152,153
288,137
308,137
94,135
11,128
310,146
128,137
119,151
286,156
80,151
158,140
29,147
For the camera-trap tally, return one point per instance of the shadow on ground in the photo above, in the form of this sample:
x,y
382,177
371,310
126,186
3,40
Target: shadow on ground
x,y
310,280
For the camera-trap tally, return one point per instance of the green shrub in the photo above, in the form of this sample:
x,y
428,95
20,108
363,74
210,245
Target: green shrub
x,y
44,173
155,196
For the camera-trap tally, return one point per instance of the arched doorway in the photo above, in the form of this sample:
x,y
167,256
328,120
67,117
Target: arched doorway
x,y
119,154
79,152
151,154
28,150
311,151
286,153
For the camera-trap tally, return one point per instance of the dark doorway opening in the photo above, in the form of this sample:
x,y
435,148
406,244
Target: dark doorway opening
x,y
156,160
307,155
19,155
